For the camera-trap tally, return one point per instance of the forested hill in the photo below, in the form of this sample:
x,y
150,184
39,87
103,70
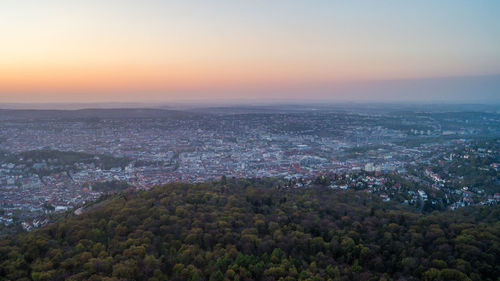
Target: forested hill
x,y
241,232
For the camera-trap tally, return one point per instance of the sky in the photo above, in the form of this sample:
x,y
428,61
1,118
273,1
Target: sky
x,y
152,50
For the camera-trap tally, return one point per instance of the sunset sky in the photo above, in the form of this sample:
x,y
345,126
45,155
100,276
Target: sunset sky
x,y
143,51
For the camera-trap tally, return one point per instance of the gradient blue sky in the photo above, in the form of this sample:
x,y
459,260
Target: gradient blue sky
x,y
122,50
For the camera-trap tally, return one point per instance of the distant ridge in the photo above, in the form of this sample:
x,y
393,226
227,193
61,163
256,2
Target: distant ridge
x,y
114,113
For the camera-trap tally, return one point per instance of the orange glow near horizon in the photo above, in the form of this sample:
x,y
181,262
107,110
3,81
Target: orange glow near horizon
x,y
125,50
67,82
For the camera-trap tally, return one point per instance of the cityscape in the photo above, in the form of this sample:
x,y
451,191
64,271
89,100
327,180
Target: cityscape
x,y
59,161
235,140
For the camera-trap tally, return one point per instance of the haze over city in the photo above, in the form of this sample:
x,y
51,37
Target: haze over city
x,y
164,51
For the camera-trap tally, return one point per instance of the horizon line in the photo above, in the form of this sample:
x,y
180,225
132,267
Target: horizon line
x,y
225,103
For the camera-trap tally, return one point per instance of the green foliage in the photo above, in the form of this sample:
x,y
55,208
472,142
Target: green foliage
x,y
246,230
109,186
57,161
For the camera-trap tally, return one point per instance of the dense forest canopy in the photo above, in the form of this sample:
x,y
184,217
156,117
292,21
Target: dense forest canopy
x,y
245,230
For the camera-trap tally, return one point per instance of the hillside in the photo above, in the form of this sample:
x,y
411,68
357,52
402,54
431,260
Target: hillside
x,y
246,230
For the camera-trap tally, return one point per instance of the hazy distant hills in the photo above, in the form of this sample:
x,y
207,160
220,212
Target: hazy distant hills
x,y
186,110
193,112
117,113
